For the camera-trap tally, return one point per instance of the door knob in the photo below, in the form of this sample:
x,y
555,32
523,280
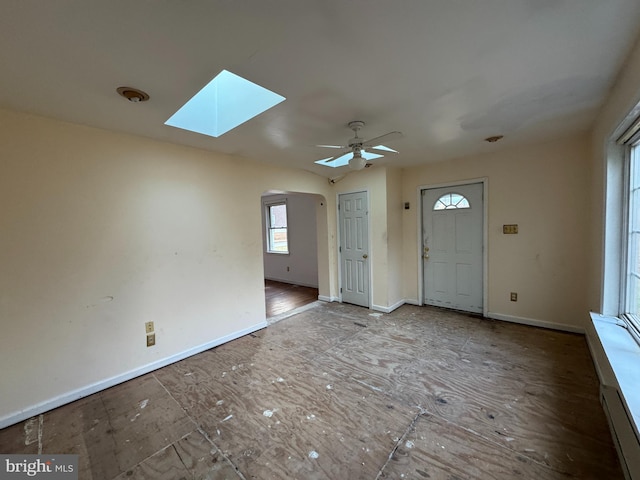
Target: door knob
x,y
365,256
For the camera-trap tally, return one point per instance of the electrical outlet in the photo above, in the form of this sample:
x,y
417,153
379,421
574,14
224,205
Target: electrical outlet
x,y
151,340
510,229
514,297
148,327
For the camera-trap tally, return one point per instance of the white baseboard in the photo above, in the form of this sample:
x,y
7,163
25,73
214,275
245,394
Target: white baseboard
x,y
389,309
412,301
324,298
74,395
536,323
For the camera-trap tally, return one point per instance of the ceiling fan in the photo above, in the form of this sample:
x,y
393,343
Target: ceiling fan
x,y
358,146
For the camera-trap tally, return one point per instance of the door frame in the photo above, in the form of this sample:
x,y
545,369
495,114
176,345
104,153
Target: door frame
x,y
339,239
485,236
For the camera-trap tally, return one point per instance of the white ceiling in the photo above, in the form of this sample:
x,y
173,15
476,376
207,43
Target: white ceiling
x,y
447,73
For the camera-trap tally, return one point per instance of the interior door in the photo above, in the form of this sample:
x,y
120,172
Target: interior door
x,y
354,248
452,247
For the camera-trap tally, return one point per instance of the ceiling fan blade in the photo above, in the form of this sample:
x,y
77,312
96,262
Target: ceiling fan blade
x,y
336,156
332,146
387,137
381,151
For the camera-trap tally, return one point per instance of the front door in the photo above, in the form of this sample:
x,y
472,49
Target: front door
x,y
354,248
452,249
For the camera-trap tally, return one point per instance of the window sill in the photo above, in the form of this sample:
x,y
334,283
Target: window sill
x,y
623,355
277,253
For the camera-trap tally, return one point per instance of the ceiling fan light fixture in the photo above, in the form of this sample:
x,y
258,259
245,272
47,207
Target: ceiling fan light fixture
x,y
357,162
359,151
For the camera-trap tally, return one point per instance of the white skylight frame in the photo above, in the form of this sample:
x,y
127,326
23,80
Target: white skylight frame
x,y
224,103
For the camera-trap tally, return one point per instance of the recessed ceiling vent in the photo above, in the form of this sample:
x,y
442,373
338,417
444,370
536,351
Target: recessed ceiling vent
x,y
494,139
132,94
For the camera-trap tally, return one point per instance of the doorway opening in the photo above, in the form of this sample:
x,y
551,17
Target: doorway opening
x,y
290,251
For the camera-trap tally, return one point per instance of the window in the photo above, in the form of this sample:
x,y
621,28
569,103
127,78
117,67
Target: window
x,y
450,201
632,271
277,241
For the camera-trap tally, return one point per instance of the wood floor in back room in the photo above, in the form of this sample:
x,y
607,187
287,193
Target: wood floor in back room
x,y
339,392
281,297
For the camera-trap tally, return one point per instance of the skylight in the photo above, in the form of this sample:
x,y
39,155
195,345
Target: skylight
x,y
344,159
224,103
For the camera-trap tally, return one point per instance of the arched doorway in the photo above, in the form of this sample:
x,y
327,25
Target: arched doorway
x,y
290,250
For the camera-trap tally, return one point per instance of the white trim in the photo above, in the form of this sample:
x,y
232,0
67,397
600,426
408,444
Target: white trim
x,y
485,236
613,232
324,298
32,410
594,357
267,205
291,313
390,309
621,355
536,323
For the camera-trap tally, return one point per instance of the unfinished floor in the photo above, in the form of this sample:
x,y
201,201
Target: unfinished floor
x,y
338,392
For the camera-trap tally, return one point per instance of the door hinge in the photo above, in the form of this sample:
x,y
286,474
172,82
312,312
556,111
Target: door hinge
x,y
340,289
340,248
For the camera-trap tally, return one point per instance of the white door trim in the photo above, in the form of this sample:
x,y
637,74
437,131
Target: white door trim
x,y
485,236
338,237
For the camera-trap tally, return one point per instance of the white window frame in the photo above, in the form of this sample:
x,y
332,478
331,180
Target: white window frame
x,y
459,205
631,162
616,345
269,227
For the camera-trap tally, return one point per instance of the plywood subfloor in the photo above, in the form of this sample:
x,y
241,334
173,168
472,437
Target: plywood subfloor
x,y
339,392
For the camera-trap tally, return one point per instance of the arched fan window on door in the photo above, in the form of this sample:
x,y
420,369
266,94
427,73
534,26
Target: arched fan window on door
x,y
450,201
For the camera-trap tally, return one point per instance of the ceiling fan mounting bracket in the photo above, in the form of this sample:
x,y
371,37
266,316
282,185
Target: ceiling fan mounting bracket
x,y
356,141
356,125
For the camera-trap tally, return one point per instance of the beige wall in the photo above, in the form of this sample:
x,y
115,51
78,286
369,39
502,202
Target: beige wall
x,y
544,189
102,232
624,96
603,283
395,217
372,180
